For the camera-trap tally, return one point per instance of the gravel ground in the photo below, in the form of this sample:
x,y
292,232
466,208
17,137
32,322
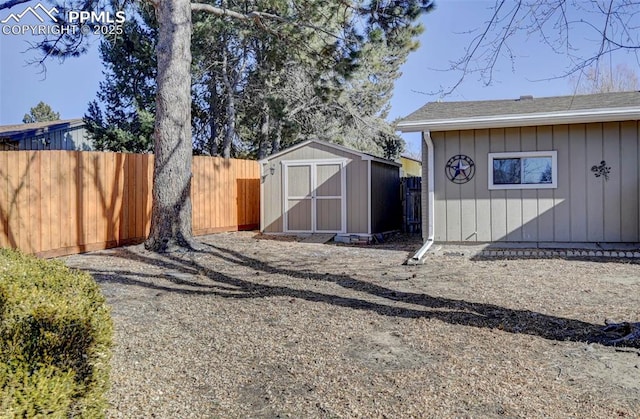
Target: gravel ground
x,y
257,327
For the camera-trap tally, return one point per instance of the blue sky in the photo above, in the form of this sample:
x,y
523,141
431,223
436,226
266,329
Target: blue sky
x,y
68,87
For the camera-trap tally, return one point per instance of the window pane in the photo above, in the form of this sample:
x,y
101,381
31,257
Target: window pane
x,y
506,171
536,170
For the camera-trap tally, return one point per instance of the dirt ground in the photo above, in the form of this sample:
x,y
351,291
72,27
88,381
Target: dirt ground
x,y
255,326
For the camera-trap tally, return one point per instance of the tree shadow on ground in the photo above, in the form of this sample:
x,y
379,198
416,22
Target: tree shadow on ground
x,y
184,274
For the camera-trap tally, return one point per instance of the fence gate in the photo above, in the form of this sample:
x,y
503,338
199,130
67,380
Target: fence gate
x,y
411,188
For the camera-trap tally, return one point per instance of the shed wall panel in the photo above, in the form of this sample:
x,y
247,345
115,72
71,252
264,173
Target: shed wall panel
x,y
272,208
357,194
385,198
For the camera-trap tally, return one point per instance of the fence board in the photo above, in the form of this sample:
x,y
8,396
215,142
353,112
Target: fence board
x,y
45,204
196,191
76,201
148,186
55,203
35,204
13,190
139,192
23,202
131,197
4,201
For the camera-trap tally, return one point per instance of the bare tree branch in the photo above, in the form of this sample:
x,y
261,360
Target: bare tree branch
x,y
613,23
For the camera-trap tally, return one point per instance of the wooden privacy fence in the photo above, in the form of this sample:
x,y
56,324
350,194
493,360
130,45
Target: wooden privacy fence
x,y
55,203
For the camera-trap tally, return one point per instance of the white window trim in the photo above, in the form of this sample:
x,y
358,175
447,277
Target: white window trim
x,y
524,154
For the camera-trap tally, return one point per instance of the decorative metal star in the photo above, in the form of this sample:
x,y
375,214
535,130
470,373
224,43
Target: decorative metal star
x,y
461,167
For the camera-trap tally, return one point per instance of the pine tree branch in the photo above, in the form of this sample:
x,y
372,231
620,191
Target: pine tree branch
x,y
256,17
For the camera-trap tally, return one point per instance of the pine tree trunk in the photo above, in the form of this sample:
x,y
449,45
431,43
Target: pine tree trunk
x,y
263,147
213,113
230,107
277,137
171,207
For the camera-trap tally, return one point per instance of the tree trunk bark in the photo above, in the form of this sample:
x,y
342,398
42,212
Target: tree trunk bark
x,y
263,147
213,114
277,137
171,206
230,106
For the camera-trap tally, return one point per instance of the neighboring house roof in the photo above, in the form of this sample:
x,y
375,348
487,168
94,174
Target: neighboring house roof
x,y
524,111
363,156
23,131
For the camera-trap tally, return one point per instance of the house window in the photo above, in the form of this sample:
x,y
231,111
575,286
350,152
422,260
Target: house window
x,y
523,170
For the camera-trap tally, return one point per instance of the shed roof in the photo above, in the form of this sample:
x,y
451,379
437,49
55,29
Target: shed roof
x,y
526,110
21,131
363,156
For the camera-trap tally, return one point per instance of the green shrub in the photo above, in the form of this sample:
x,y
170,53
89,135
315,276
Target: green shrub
x,y
55,335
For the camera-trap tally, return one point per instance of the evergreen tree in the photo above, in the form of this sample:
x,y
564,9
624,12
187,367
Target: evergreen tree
x,y
258,90
126,122
40,113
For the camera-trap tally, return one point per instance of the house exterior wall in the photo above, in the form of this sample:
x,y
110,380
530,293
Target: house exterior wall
x,y
583,207
410,167
356,187
75,138
385,198
425,199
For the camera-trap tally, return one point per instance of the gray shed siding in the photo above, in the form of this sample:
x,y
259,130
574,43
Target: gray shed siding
x,y
583,208
74,138
385,198
356,187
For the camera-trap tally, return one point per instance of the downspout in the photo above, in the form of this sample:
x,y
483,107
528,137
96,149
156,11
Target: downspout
x,y
428,193
369,192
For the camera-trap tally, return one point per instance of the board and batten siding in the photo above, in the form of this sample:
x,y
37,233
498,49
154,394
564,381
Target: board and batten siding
x,y
356,186
67,138
583,208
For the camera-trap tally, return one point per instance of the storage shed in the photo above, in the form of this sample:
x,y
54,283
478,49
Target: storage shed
x,y
541,171
320,187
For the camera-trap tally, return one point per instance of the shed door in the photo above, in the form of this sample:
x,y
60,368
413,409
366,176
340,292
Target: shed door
x,y
315,197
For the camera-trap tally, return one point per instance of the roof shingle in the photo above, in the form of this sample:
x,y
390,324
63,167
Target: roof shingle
x,y
434,111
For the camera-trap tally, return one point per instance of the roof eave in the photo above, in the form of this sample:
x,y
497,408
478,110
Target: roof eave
x,y
363,156
21,134
519,120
